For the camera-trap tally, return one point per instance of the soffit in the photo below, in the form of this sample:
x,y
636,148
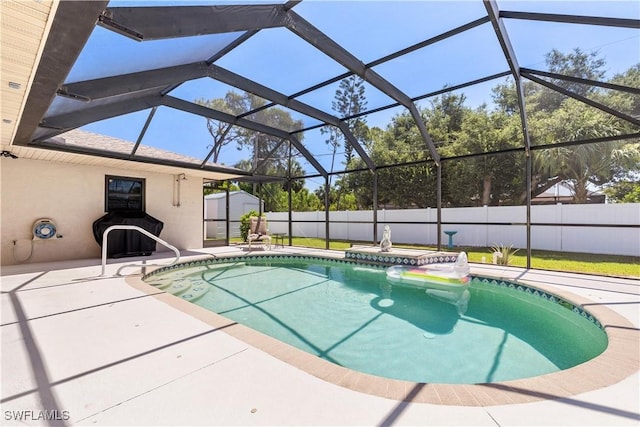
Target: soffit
x,y
92,160
25,25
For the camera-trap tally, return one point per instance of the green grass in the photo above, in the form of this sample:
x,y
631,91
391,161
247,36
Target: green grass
x,y
607,265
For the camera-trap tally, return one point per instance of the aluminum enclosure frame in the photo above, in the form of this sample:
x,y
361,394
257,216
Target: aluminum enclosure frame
x,y
121,94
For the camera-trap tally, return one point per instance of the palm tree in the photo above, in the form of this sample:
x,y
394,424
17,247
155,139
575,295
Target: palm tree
x,y
582,164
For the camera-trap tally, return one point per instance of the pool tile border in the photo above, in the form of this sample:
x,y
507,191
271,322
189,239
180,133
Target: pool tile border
x,y
619,360
366,254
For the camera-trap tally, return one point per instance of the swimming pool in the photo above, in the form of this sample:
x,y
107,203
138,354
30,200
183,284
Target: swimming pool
x,y
351,315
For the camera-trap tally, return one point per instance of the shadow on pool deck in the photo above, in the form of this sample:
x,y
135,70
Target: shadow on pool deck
x,y
113,351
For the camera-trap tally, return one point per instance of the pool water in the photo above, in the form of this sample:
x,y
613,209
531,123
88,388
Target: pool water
x,y
351,315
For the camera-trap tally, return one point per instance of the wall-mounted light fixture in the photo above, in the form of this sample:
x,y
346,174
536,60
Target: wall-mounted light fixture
x,y
6,153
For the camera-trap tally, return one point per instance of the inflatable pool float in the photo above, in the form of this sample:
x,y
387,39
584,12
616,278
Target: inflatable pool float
x,y
448,282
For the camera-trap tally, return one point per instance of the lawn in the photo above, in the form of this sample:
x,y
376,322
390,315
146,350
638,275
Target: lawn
x,y
607,265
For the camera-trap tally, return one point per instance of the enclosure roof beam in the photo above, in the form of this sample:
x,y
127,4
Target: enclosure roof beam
x,y
144,130
572,19
203,111
154,23
213,147
92,113
134,82
269,154
326,45
387,58
573,79
417,98
71,27
507,49
581,98
247,85
234,44
52,145
67,121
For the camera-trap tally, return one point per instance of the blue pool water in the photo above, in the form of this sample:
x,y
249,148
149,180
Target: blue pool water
x,y
351,315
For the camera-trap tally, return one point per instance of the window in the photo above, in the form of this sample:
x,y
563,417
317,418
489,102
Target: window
x,y
123,194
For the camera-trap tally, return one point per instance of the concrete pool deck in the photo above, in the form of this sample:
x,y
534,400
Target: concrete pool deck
x,y
114,351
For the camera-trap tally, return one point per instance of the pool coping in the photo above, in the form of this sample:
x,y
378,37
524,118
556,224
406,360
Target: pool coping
x,y
619,360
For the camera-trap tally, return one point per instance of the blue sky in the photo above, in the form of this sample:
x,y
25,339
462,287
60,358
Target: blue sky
x,y
367,29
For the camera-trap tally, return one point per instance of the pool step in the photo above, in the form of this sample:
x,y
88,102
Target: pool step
x,y
185,289
178,286
195,291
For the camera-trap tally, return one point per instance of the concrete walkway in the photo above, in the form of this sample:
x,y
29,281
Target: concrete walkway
x,y
87,350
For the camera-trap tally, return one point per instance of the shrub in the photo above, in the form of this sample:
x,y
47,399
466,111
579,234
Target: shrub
x,y
505,253
245,224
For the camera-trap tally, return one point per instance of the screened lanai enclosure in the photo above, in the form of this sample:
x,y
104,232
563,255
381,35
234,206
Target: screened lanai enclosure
x,y
361,106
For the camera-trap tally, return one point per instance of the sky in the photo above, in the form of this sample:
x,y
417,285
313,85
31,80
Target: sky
x,y
367,29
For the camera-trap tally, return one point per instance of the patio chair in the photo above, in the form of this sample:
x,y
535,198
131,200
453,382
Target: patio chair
x,y
258,232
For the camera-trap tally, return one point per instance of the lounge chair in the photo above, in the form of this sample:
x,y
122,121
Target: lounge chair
x,y
258,231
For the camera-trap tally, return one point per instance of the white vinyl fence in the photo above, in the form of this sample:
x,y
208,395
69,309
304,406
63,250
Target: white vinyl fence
x,y
608,228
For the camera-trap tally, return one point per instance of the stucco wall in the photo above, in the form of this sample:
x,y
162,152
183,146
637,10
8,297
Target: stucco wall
x,y
73,197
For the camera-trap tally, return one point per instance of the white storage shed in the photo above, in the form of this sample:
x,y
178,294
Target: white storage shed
x,y
240,202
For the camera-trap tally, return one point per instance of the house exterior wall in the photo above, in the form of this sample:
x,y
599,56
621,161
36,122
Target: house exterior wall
x,y
73,197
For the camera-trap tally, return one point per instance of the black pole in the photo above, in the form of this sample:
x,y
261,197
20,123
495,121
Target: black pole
x,y
375,206
529,167
290,226
227,210
439,203
326,212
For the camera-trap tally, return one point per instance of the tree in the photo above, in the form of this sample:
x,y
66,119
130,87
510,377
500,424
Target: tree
x,y
575,64
623,101
555,118
349,101
269,154
624,192
266,150
403,186
445,116
224,133
219,187
583,164
485,180
305,201
540,98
